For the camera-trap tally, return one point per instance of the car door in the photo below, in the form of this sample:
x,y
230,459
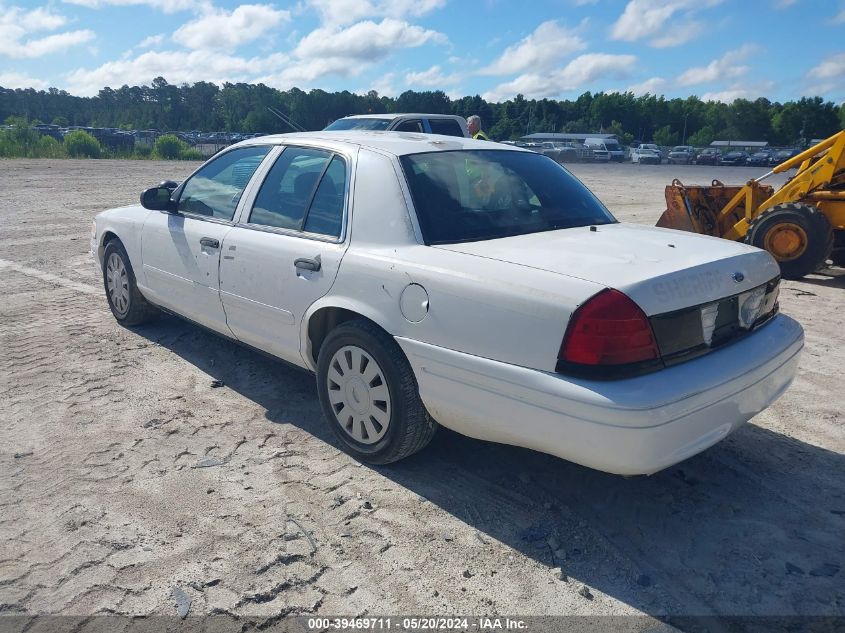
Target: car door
x,y
181,251
286,249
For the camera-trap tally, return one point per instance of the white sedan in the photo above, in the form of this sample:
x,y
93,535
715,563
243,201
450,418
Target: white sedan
x,y
431,280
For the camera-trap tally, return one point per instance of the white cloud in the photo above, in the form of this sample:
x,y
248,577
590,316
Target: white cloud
x,y
385,86
17,26
650,19
344,12
578,73
784,4
431,78
546,47
18,80
839,18
151,41
652,86
728,66
739,91
299,72
176,66
830,68
681,33
365,41
167,6
226,30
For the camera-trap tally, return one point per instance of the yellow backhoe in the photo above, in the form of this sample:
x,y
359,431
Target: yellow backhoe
x,y
802,224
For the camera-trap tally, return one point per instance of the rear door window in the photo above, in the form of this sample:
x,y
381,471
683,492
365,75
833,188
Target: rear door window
x,y
305,190
448,127
413,125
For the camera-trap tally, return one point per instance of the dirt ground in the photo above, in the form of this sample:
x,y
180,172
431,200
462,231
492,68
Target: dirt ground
x,y
125,474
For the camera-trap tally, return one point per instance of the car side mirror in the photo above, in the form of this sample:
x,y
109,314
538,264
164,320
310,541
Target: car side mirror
x,y
159,198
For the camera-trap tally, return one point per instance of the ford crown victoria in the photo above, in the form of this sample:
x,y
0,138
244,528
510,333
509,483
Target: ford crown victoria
x,y
430,280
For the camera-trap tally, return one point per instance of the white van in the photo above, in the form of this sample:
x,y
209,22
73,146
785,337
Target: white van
x,y
610,145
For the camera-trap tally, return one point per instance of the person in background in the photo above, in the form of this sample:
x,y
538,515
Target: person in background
x,y
474,126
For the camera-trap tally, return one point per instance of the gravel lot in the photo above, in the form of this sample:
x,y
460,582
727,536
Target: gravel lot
x,y
124,474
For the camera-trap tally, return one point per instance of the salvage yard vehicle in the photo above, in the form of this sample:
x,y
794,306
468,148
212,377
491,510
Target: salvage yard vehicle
x,y
736,158
646,153
432,280
708,156
682,155
802,224
447,124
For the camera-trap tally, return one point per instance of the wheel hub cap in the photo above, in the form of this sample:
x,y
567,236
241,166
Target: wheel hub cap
x,y
786,241
358,394
117,281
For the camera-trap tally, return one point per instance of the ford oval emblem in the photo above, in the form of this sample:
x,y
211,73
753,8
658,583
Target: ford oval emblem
x,y
738,277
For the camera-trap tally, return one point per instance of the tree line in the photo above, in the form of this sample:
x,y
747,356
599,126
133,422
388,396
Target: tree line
x,y
242,107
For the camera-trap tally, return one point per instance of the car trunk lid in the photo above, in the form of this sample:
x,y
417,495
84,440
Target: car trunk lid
x,y
660,269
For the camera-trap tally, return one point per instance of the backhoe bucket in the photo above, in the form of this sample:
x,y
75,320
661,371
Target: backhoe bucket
x,y
698,208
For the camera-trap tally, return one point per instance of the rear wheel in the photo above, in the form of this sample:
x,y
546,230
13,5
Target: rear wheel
x,y
369,394
797,235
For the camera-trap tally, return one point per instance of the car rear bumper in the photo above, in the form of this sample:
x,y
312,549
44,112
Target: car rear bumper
x,y
629,427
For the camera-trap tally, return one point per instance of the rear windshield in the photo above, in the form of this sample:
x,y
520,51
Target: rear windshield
x,y
359,124
466,196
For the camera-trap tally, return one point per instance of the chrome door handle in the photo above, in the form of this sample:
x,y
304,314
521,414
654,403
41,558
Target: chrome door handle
x,y
308,264
210,242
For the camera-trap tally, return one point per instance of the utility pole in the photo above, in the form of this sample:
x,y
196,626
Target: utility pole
x,y
684,142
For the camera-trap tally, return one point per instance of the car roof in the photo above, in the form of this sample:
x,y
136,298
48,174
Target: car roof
x,y
396,143
396,115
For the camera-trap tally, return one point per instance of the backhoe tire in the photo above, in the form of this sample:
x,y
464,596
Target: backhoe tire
x,y
797,235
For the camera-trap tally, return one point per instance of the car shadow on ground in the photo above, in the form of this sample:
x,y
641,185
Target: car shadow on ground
x,y
753,526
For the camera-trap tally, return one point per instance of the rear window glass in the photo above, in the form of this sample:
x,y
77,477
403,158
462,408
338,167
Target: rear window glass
x,y
447,127
464,196
360,124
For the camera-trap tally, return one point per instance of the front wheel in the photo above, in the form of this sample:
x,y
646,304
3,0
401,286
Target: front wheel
x,y
127,303
798,236
369,394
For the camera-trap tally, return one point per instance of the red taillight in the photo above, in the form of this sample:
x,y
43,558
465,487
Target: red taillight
x,y
610,329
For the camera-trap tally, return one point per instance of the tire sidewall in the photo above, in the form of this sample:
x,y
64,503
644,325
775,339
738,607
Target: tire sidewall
x,y
349,335
816,227
115,247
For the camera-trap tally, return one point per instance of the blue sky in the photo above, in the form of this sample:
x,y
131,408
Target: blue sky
x,y
716,49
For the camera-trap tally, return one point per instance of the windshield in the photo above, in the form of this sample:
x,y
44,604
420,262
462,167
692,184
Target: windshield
x,y
466,196
353,123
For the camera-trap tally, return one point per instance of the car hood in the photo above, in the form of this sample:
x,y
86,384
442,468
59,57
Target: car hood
x,y
661,269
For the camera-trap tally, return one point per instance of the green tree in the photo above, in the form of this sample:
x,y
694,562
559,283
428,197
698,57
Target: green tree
x,y
665,136
80,144
702,137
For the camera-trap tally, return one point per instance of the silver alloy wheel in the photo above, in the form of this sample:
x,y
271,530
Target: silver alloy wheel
x,y
358,394
117,280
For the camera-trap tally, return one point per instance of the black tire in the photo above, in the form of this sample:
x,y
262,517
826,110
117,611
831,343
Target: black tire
x,y
410,427
132,308
813,223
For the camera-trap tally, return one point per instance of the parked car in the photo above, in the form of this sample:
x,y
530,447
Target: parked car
x,y
761,158
708,156
610,145
784,155
682,155
646,153
600,152
559,152
446,124
734,159
621,347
